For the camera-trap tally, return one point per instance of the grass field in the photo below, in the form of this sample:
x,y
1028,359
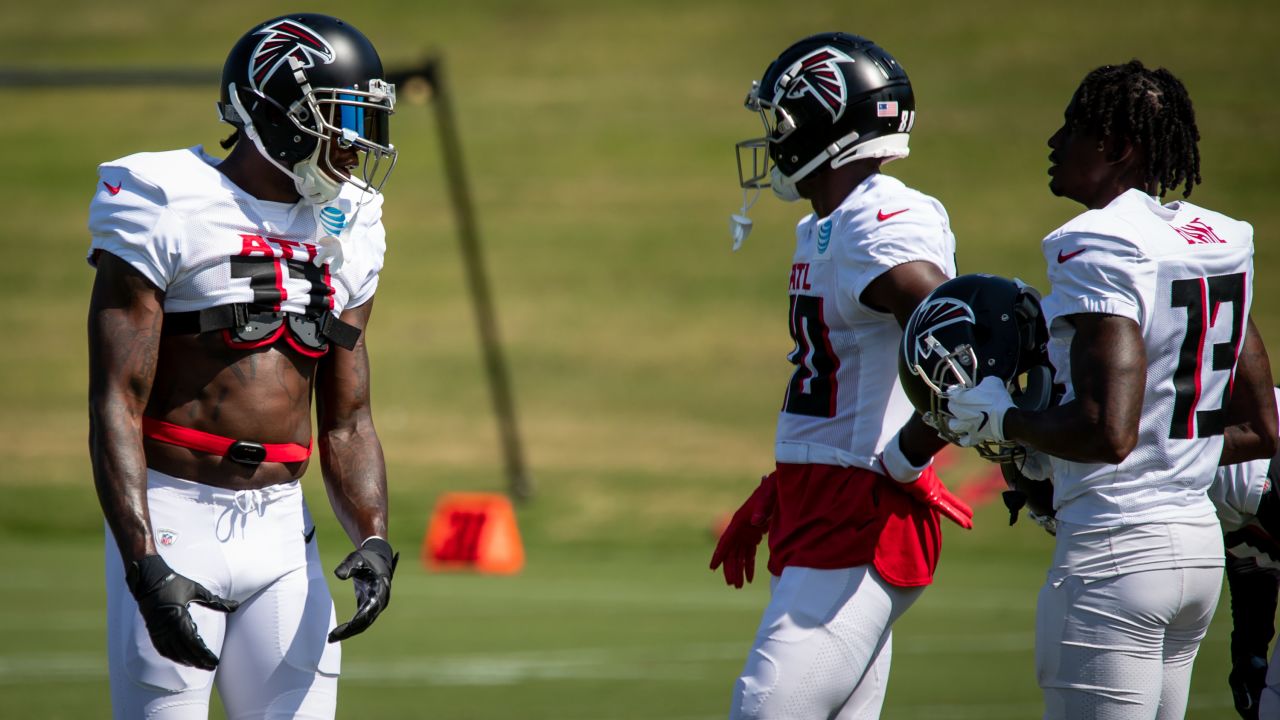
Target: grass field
x,y
648,361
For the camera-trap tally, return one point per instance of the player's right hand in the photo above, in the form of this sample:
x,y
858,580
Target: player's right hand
x,y
162,596
736,549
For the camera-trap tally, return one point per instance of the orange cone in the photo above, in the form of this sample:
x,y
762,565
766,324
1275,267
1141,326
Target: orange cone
x,y
473,532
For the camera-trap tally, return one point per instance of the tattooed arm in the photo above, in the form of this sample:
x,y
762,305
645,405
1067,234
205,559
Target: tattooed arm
x,y
126,313
350,453
355,476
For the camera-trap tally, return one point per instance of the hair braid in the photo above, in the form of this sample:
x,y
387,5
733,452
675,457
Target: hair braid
x,y
1147,108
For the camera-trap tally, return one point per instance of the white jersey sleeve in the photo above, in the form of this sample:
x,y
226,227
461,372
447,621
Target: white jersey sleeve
x,y
917,231
129,217
1110,280
1237,490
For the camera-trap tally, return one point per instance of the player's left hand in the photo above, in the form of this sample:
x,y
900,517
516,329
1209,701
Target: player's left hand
x,y
370,568
1247,679
737,546
978,412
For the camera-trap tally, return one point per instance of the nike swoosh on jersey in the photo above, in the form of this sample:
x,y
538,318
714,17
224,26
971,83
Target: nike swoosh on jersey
x,y
1063,257
113,189
882,215
307,535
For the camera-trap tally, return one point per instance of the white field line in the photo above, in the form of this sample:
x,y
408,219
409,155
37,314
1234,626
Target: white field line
x,y
533,667
676,663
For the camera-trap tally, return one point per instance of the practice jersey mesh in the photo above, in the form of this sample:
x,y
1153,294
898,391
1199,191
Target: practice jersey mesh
x,y
1185,275
844,401
205,242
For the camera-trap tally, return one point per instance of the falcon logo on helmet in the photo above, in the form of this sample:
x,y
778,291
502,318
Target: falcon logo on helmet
x,y
282,40
928,319
817,75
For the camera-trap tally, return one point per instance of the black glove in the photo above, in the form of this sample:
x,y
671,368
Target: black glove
x,y
162,596
1248,677
370,568
1035,495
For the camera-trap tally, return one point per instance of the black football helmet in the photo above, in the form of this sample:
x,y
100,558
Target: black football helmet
x,y
967,329
832,98
298,83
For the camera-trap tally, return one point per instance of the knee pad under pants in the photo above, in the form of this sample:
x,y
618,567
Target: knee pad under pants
x,y
1122,648
256,547
823,646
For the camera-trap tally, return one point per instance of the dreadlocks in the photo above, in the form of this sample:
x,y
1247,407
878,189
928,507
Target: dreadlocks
x,y
1148,108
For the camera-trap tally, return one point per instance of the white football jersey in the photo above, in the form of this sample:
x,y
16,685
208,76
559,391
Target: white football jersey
x,y
205,242
1238,489
844,401
1185,275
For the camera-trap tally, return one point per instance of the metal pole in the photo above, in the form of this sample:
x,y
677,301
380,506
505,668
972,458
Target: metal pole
x,y
519,484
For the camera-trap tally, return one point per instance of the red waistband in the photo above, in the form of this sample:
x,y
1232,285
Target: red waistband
x,y
217,444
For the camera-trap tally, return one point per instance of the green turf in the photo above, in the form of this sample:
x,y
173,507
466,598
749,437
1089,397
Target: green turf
x,y
647,360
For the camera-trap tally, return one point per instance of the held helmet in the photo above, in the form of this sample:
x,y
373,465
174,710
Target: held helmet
x,y
831,98
967,329
297,84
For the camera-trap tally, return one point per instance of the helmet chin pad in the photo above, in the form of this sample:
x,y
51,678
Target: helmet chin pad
x,y
313,182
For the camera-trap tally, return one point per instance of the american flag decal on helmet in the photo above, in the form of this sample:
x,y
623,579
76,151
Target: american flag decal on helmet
x,y
816,74
928,318
284,39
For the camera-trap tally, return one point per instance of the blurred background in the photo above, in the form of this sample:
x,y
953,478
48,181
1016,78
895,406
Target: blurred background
x,y
648,361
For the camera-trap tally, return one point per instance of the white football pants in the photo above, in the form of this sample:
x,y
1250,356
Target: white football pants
x,y
823,647
254,546
1269,704
1122,648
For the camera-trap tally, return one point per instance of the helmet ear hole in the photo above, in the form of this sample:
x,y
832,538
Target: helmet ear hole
x,y
1036,389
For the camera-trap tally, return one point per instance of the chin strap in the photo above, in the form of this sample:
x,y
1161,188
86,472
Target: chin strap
x,y
308,179
739,224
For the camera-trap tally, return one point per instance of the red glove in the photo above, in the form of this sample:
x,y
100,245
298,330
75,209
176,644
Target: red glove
x,y
929,490
737,546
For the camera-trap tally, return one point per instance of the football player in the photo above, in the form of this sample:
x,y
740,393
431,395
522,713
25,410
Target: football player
x,y
1166,377
227,290
1248,502
852,509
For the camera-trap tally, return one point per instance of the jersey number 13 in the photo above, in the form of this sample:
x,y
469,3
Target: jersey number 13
x,y
1202,297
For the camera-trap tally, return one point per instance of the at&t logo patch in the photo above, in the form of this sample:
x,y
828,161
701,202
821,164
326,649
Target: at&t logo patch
x,y
824,236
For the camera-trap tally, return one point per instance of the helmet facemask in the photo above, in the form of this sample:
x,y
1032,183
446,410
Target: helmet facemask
x,y
779,125
352,120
